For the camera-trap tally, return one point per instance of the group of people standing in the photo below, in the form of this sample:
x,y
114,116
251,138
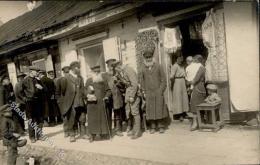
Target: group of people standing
x,y
87,108
188,86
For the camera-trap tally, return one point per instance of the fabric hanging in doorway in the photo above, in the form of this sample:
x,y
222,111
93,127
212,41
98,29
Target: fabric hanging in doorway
x,y
172,39
213,34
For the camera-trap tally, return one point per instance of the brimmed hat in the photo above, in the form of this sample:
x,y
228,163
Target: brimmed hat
x,y
212,87
74,64
65,67
94,68
116,63
50,71
21,74
110,61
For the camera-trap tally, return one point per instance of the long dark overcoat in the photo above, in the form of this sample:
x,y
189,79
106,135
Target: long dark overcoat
x,y
98,120
153,82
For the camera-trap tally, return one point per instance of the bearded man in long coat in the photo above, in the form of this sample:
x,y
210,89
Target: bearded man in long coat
x,y
153,83
97,93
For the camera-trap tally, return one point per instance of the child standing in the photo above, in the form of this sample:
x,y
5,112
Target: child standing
x,y
10,138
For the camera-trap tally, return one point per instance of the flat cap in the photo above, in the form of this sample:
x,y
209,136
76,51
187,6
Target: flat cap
x,y
21,74
97,67
116,63
50,71
74,64
212,87
65,67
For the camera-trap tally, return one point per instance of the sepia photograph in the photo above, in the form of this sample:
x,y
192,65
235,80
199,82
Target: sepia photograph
x,y
129,82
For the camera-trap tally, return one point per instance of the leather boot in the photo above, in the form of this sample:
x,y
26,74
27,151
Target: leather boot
x,y
129,129
137,127
118,128
83,134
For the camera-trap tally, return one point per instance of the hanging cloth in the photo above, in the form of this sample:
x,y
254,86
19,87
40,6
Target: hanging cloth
x,y
172,39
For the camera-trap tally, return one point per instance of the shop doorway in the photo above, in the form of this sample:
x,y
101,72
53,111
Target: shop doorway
x,y
192,42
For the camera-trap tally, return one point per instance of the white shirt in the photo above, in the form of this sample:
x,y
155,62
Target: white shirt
x,y
191,71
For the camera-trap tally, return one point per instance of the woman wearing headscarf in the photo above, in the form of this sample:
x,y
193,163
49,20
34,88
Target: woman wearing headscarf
x,y
180,97
198,94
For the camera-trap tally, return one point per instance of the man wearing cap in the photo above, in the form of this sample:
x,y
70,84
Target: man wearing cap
x,y
97,93
20,99
8,90
128,76
48,84
70,97
153,84
32,90
117,97
65,69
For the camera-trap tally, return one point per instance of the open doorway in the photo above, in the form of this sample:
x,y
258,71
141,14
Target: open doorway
x,y
192,42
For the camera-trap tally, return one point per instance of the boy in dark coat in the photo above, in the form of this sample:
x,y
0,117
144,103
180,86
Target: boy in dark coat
x,y
10,137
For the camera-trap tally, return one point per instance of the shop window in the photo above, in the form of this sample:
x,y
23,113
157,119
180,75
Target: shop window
x,y
94,55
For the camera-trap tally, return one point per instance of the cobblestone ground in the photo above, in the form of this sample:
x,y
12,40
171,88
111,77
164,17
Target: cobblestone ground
x,y
231,145
45,156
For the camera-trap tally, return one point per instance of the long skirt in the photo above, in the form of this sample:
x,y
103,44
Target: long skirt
x,y
196,99
180,97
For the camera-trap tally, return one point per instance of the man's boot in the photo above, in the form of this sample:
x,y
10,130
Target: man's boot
x,y
129,129
118,128
137,127
83,134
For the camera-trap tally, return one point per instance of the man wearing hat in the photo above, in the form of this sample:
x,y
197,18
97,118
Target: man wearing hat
x,y
70,94
65,69
48,112
8,89
117,97
97,93
128,77
20,100
32,90
153,84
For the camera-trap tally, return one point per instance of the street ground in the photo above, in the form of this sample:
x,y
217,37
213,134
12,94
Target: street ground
x,y
233,144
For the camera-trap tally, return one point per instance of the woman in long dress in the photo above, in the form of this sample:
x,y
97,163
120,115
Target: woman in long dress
x,y
198,94
180,96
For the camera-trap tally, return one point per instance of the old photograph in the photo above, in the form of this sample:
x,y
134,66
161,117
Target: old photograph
x,y
114,82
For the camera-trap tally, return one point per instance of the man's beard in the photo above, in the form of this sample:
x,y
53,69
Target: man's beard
x,y
97,77
148,63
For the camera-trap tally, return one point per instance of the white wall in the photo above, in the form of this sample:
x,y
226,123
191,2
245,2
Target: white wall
x,y
242,55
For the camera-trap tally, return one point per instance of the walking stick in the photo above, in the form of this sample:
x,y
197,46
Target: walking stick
x,y
105,107
144,113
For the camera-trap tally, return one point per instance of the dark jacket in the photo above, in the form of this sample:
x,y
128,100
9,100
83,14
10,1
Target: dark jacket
x,y
19,93
29,88
66,92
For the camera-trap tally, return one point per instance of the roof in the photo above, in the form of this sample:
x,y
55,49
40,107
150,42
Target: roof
x,y
49,14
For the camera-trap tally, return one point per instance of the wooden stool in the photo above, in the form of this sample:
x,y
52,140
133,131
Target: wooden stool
x,y
209,116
